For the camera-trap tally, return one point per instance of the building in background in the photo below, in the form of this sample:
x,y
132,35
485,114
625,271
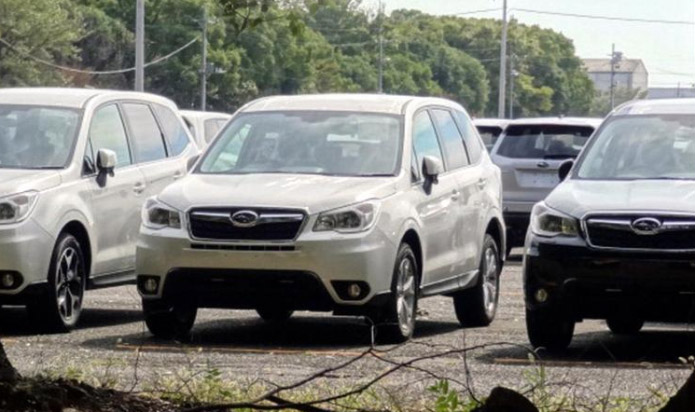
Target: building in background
x,y
630,74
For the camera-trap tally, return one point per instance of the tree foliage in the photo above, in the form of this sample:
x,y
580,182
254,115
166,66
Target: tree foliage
x,y
262,47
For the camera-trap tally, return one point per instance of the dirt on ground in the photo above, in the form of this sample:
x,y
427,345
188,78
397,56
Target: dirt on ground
x,y
47,395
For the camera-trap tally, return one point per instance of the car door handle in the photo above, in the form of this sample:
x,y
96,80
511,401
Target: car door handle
x,y
178,175
455,195
481,183
139,188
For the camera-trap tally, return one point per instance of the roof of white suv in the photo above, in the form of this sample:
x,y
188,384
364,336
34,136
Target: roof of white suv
x,y
660,106
373,103
560,121
65,96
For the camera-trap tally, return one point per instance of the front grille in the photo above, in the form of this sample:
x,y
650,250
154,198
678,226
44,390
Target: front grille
x,y
675,233
272,224
243,248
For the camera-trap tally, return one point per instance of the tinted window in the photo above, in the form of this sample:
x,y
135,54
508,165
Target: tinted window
x,y
543,141
36,137
451,138
147,142
489,134
425,140
470,136
107,132
310,142
173,130
642,147
212,126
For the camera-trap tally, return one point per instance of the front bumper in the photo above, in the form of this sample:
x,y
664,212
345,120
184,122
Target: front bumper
x,y
305,274
588,283
25,248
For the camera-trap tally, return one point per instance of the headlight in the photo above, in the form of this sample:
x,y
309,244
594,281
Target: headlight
x,y
158,215
350,219
17,207
549,222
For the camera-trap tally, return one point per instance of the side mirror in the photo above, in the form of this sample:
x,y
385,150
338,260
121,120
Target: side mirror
x,y
565,169
432,168
106,160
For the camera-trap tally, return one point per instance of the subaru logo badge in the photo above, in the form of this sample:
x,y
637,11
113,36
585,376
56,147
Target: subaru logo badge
x,y
244,218
646,226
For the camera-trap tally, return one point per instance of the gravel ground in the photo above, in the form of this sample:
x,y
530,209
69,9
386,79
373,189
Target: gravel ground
x,y
112,345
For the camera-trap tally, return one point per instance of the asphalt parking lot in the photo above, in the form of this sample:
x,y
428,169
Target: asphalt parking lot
x,y
112,343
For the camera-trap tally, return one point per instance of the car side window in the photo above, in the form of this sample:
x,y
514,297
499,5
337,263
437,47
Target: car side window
x,y
455,152
147,139
173,129
425,140
107,132
470,136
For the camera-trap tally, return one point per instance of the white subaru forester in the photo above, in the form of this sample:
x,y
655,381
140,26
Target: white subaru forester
x,y
356,204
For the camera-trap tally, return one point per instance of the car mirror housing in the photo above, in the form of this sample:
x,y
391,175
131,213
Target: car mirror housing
x,y
106,160
565,169
432,168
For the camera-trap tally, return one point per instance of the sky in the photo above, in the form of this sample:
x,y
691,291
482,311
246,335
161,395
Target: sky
x,y
668,50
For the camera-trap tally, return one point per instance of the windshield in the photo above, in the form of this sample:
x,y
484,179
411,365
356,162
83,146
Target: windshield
x,y
313,142
36,137
543,141
642,147
489,134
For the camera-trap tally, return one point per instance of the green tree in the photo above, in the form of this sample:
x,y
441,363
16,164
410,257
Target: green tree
x,y
45,29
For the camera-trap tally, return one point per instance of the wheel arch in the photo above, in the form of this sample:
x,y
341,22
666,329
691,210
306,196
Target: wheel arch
x,y
412,238
495,228
79,231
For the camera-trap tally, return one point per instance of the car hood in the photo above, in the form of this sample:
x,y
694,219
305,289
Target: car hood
x,y
577,197
311,192
21,180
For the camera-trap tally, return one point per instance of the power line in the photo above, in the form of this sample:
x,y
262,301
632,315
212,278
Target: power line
x,y
97,72
476,11
600,17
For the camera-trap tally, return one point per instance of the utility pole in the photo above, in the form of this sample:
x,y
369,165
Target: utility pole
x,y
503,64
380,85
511,87
140,45
204,62
616,57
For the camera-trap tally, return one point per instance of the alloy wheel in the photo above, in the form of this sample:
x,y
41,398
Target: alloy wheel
x,y
405,296
69,284
490,282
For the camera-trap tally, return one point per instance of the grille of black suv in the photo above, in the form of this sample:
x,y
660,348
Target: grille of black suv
x,y
271,224
661,232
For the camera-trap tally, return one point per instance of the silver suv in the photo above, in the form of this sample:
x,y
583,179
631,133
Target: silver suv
x,y
529,152
356,204
75,168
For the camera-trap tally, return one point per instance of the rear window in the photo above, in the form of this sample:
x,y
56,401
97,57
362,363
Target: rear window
x,y
543,141
489,134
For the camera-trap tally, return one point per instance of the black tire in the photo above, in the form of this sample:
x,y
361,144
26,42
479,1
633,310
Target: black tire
x,y
548,328
625,325
169,321
274,314
395,326
59,307
477,306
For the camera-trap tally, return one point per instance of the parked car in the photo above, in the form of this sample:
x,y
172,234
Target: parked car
x,y
529,152
204,125
615,240
355,204
490,130
75,168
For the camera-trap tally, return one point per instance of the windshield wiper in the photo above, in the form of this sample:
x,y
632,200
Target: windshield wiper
x,y
560,156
